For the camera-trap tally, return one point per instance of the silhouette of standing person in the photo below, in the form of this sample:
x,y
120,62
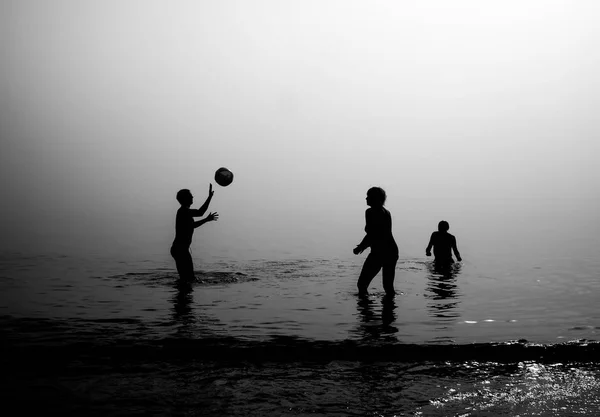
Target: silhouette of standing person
x,y
384,250
184,230
443,243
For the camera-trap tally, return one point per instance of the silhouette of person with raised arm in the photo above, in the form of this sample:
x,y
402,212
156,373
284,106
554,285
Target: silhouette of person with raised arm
x,y
184,230
384,250
443,243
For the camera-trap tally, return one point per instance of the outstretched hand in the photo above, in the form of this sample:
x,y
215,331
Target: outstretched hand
x,y
212,217
357,250
210,190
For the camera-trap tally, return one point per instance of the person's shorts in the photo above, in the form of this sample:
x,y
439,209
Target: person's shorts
x,y
183,261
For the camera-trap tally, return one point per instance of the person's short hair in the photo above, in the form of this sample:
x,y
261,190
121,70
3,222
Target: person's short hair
x,y
443,226
181,194
378,193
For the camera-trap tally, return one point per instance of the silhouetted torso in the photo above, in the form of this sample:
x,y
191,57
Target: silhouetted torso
x,y
443,242
184,227
379,232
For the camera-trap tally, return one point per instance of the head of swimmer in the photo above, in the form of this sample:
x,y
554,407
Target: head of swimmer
x,y
443,226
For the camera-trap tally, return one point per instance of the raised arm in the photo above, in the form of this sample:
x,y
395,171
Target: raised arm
x,y
200,212
455,249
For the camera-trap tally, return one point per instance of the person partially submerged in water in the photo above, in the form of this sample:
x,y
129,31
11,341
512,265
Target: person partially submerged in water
x,y
384,250
184,230
443,243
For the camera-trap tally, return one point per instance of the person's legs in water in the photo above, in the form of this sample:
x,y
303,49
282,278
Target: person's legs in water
x,y
389,273
370,268
185,265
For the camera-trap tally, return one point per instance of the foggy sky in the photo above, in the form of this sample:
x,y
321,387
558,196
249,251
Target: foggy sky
x,y
480,113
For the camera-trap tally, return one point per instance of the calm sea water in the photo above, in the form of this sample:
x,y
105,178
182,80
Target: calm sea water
x,y
106,335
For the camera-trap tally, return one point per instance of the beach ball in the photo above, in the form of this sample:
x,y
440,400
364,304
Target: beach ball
x,y
223,177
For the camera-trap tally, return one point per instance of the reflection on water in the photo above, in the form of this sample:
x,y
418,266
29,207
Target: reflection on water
x,y
182,304
443,293
135,341
376,316
313,299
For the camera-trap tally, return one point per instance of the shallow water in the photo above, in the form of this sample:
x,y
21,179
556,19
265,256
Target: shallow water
x,y
103,336
313,298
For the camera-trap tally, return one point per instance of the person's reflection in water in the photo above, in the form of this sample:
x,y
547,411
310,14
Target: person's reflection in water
x,y
182,304
388,315
373,325
442,291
